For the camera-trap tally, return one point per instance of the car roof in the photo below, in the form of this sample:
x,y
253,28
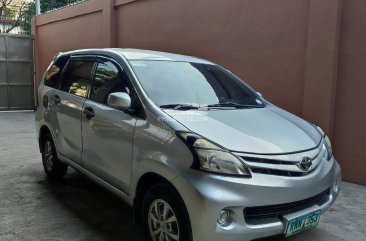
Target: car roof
x,y
141,54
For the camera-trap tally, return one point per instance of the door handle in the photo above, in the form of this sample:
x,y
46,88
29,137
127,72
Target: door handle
x,y
89,112
56,99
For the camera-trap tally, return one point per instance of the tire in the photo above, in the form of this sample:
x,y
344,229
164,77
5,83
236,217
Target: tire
x,y
51,164
156,198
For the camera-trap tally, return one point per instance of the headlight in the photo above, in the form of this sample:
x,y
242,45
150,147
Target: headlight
x,y
327,143
211,158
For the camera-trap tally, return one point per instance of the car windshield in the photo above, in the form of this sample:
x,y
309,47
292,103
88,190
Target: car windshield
x,y
184,85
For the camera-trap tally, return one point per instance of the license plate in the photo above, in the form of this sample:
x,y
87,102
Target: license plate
x,y
302,223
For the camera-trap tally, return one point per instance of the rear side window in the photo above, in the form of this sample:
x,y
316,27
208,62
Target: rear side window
x,y
76,79
107,80
53,74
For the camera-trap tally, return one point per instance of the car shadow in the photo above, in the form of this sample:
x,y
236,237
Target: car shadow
x,y
99,214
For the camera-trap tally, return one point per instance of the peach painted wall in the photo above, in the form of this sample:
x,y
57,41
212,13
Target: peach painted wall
x,y
307,56
350,111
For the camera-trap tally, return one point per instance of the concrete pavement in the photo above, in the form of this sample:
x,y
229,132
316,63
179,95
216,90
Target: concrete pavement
x,y
33,208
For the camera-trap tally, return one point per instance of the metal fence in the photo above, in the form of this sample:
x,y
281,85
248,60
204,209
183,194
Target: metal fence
x,y
16,72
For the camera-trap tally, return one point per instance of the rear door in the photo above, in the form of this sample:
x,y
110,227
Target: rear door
x,y
67,103
51,82
107,133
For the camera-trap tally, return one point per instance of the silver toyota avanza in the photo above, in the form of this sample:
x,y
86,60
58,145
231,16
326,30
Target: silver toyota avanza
x,y
197,153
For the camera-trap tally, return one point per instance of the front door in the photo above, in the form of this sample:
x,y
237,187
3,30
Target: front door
x,y
67,103
107,133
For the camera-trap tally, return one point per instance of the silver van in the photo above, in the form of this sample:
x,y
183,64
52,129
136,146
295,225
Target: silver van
x,y
196,152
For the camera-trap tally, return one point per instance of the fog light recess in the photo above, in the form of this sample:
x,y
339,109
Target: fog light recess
x,y
225,218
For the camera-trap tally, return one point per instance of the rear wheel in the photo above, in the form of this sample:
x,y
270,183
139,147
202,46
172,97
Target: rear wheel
x,y
163,215
51,164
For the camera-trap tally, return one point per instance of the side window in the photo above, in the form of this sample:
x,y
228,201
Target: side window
x,y
107,80
76,79
53,74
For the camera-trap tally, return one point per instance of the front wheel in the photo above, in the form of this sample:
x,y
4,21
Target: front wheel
x,y
164,217
51,164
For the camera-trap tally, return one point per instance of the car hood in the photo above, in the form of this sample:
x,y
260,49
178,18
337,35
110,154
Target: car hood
x,y
269,130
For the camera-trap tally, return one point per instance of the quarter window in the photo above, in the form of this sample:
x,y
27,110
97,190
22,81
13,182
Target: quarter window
x,y
107,80
77,77
53,74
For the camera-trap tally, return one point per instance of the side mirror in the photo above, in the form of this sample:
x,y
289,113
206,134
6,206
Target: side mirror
x,y
260,94
119,100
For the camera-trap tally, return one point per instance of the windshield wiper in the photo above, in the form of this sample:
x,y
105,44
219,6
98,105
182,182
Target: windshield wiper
x,y
212,106
180,107
233,105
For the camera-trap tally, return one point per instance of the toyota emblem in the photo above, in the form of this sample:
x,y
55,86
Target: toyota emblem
x,y
305,163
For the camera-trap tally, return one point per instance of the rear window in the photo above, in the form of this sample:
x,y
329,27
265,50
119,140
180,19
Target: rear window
x,y
53,74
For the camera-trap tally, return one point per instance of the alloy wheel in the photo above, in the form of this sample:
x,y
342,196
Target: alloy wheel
x,y
162,222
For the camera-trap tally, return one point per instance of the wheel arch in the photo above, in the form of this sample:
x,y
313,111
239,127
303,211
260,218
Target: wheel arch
x,y
43,131
147,181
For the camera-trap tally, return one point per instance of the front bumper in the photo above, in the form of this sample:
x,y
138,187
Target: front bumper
x,y
205,195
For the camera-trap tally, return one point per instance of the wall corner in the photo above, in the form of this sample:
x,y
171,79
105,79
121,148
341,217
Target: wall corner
x,y
321,62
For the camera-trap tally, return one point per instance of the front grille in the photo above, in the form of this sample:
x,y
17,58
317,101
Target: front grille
x,y
261,214
278,172
271,167
267,161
